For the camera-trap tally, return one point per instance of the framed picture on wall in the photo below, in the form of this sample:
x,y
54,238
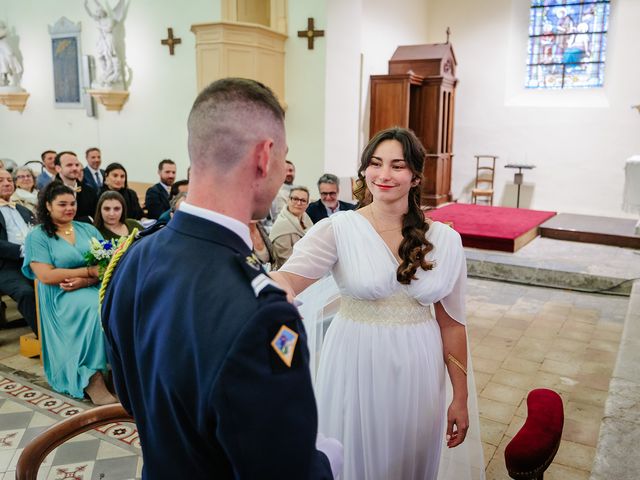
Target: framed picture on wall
x,y
66,57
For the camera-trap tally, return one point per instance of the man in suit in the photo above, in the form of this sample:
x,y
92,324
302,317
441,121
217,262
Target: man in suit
x,y
93,174
68,170
48,158
328,186
210,358
15,221
156,200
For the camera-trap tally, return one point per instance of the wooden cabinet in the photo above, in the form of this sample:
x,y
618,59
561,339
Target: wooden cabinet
x,y
418,93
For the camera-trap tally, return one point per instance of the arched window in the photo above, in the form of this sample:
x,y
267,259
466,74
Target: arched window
x,y
567,43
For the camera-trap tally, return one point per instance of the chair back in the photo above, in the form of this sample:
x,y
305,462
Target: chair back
x,y
535,445
37,449
485,171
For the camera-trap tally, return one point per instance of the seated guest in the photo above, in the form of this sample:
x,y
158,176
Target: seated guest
x,y
328,186
93,175
49,171
115,179
73,344
175,203
26,193
15,221
111,216
262,246
156,200
290,226
181,186
70,173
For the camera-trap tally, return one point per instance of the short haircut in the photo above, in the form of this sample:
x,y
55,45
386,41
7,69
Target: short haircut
x,y
166,161
299,188
175,188
60,154
329,178
89,150
44,154
228,117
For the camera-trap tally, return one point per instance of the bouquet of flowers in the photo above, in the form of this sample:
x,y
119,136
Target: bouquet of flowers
x,y
100,253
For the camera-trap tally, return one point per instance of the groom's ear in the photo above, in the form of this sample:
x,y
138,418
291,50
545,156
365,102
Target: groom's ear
x,y
262,154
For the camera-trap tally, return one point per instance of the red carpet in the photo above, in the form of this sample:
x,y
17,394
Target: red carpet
x,y
492,228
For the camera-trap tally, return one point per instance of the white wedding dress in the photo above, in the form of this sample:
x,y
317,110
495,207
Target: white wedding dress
x,y
381,381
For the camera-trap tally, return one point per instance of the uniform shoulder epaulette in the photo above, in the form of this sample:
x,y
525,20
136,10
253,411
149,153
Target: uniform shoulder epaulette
x,y
120,251
256,274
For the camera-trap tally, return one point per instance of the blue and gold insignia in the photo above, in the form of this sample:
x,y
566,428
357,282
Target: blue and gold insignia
x,y
284,343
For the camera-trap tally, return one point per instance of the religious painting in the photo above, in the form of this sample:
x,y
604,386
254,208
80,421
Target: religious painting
x,y
67,64
567,43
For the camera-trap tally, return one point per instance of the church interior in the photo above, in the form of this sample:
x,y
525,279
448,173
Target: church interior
x,y
555,304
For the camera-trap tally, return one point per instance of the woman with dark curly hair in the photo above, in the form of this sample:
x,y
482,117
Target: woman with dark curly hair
x,y
381,378
73,344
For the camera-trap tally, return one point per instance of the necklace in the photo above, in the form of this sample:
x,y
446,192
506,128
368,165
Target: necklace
x,y
375,223
68,231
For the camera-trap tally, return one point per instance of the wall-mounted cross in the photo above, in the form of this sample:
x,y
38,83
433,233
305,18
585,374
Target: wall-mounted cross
x,y
171,41
310,33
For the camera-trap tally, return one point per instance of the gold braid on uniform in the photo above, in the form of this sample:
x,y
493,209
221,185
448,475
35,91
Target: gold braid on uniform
x,y
113,262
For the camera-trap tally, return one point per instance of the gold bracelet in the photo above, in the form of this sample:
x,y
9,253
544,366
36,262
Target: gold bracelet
x,y
455,361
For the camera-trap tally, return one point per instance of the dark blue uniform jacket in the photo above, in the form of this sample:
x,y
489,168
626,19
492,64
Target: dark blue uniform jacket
x,y
189,324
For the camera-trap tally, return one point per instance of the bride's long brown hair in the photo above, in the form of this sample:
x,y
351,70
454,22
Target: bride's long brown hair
x,y
414,245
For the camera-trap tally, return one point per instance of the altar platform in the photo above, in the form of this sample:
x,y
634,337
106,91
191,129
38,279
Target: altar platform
x,y
619,232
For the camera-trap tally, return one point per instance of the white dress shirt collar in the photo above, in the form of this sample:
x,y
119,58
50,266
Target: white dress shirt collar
x,y
236,226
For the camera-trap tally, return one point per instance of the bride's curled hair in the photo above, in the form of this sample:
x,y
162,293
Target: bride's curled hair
x,y
414,245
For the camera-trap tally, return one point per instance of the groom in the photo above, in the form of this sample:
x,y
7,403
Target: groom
x,y
208,356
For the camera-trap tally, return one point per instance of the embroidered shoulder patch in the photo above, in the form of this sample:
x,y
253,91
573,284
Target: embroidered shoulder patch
x,y
284,343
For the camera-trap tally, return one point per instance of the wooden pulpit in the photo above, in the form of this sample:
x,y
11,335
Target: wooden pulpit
x,y
418,93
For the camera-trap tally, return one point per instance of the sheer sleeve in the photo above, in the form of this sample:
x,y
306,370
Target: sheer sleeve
x,y
454,302
314,254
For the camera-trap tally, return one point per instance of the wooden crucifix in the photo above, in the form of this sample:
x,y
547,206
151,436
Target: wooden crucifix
x,y
171,41
310,33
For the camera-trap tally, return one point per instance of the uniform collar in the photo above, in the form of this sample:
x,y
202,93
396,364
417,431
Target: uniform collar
x,y
236,226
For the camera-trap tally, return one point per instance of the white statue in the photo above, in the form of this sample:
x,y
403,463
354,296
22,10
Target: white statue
x,y
107,20
10,64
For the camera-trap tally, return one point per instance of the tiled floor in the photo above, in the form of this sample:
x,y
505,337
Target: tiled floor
x,y
27,410
529,337
521,338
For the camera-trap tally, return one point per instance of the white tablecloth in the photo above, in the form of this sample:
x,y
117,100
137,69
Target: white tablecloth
x,y
631,196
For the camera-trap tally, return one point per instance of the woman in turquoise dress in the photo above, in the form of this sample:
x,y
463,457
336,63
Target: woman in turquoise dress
x,y
73,344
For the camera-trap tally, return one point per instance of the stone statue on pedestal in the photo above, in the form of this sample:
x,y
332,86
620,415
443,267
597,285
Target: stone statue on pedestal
x,y
10,62
107,20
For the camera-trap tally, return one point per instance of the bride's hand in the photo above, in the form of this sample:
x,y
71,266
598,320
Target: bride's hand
x,y
284,285
457,423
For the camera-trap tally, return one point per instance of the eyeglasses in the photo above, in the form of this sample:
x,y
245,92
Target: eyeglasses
x,y
328,194
22,177
298,200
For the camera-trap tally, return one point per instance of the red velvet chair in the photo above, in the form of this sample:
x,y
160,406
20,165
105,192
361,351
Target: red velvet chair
x,y
533,448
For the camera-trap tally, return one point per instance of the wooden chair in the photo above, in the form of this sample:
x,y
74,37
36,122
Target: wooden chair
x,y
37,449
30,345
534,447
485,170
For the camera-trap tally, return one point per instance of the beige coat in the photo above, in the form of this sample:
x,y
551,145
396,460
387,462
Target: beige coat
x,y
286,231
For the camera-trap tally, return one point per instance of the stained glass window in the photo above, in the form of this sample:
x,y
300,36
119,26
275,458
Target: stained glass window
x,y
567,43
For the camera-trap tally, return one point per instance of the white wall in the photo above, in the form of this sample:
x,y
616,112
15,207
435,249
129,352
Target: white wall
x,y
305,92
578,140
362,38
152,124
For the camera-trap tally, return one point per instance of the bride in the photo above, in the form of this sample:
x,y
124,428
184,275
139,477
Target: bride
x,y
381,381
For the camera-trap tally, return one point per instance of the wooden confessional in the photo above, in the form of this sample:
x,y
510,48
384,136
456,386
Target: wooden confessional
x,y
418,93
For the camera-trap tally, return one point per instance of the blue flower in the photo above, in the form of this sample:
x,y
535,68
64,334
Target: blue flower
x,y
107,245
